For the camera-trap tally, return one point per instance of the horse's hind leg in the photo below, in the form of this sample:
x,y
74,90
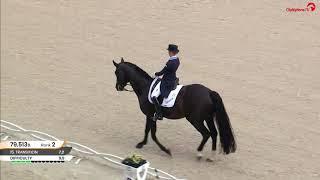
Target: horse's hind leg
x,y
213,132
199,125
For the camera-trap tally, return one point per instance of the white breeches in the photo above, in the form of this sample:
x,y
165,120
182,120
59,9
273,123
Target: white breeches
x,y
156,92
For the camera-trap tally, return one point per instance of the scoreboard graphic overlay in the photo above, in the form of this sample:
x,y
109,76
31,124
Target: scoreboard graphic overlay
x,y
34,151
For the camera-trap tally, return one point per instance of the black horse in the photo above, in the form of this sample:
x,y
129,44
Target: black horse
x,y
195,102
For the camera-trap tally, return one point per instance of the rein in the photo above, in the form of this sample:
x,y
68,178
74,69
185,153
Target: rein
x,y
128,84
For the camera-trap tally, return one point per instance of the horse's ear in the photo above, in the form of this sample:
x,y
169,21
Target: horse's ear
x,y
122,60
115,64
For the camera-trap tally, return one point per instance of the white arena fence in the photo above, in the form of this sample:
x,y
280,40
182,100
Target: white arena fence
x,y
82,149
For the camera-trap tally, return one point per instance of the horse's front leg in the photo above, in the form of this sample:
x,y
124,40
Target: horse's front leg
x,y
154,137
146,133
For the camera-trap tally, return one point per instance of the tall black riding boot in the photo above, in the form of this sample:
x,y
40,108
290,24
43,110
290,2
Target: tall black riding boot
x,y
158,115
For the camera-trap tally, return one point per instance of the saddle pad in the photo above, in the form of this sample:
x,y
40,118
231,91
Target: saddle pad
x,y
170,100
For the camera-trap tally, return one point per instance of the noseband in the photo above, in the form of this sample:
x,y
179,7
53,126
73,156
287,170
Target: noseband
x,y
124,88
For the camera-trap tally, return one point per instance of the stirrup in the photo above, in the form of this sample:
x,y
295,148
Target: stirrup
x,y
157,117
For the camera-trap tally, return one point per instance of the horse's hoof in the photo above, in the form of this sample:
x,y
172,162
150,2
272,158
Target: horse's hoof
x,y
140,145
199,156
168,152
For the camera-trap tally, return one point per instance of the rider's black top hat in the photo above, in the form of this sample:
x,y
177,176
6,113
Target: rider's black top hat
x,y
173,47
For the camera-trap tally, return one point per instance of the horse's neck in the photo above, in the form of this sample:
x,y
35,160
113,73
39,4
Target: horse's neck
x,y
140,84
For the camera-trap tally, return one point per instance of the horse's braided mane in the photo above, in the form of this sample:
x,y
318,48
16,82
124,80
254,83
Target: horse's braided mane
x,y
138,69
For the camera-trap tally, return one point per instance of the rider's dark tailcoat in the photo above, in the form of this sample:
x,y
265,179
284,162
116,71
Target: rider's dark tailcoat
x,y
169,76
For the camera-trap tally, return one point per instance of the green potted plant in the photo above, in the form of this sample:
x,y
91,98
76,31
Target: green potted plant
x,y
136,167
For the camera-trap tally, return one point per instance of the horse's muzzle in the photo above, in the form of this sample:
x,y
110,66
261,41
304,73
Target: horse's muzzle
x,y
119,87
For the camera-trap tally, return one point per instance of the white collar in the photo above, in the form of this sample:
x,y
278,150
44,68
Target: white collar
x,y
173,57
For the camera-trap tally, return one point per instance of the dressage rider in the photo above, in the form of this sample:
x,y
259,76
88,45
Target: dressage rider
x,y
168,80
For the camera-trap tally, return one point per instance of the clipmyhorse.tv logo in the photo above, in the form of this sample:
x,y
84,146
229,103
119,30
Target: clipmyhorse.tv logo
x,y
309,8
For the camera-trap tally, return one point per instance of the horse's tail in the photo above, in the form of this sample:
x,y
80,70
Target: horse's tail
x,y
227,139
